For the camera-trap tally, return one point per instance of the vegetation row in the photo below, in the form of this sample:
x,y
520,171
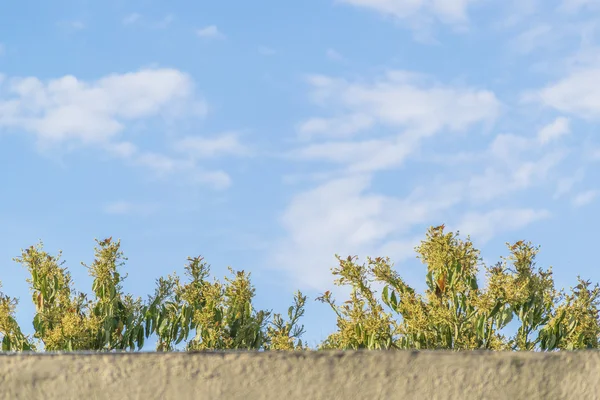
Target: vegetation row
x,y
455,312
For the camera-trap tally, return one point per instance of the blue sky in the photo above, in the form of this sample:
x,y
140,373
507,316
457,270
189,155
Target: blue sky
x,y
270,135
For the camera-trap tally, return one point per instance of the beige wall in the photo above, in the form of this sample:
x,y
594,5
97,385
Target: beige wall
x,y
301,375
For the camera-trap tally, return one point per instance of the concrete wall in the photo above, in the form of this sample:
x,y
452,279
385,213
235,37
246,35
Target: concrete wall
x,y
301,375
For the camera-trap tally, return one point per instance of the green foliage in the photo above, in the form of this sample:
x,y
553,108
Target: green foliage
x,y
455,312
12,337
221,314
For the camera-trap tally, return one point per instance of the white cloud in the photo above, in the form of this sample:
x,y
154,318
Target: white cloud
x,y
516,175
91,112
161,164
533,38
341,216
486,225
188,172
218,179
335,127
518,11
577,5
362,156
129,208
166,21
75,25
564,185
585,198
121,149
131,19
399,100
334,55
404,99
210,32
578,94
508,147
395,114
559,127
202,147
510,164
449,11
72,112
266,51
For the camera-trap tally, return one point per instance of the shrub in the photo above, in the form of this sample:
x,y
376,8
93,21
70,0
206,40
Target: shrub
x,y
454,313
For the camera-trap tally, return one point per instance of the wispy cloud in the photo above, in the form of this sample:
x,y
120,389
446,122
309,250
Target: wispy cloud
x,y
341,216
559,127
577,94
334,55
70,109
97,113
573,6
447,11
129,208
210,32
533,38
171,168
566,184
208,147
266,51
381,124
585,198
421,16
131,19
427,106
166,21
75,25
486,225
399,100
335,127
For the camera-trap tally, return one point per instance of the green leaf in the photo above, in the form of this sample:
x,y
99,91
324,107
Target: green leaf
x,y
473,282
159,322
176,326
129,320
37,323
507,317
6,343
140,338
148,327
371,340
495,309
429,281
385,295
572,325
452,273
394,300
106,335
481,326
358,330
530,318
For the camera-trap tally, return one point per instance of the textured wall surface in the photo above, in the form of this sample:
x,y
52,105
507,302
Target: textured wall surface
x,y
301,375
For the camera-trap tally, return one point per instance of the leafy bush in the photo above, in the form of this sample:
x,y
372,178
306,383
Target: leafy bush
x,y
455,312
